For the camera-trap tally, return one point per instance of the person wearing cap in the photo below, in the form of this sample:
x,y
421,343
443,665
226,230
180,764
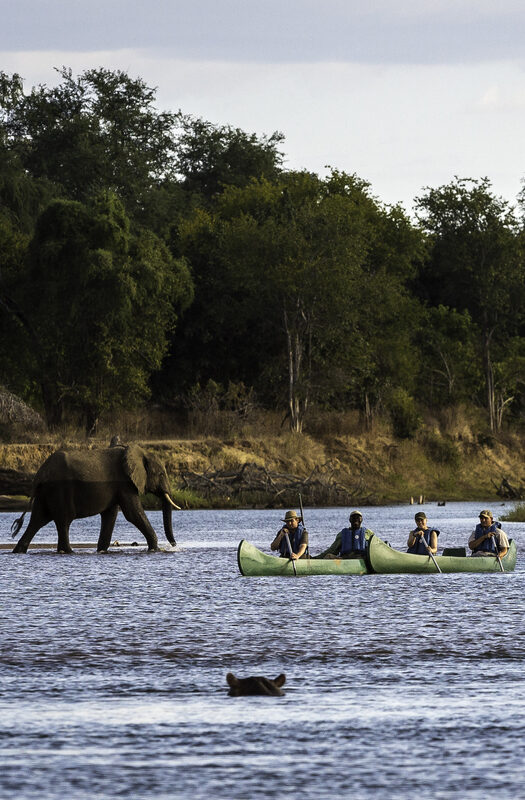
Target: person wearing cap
x,y
297,536
487,539
422,538
349,542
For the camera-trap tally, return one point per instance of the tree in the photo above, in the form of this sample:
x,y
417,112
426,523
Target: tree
x,y
449,364
278,252
97,303
98,132
510,377
210,157
379,353
475,264
22,197
291,262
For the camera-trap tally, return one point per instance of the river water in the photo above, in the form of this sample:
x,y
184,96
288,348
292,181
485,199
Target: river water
x,y
112,669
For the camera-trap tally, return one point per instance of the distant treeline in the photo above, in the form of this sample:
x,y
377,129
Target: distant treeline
x,y
153,255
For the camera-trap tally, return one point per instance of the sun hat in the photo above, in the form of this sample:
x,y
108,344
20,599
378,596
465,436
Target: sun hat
x,y
290,515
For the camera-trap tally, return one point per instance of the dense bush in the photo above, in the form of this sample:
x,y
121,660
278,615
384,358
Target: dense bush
x,y
442,450
405,417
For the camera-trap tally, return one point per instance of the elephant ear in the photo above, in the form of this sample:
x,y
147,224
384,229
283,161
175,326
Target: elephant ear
x,y
134,466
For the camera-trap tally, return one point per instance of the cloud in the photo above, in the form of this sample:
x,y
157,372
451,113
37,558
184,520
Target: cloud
x,y
274,31
502,98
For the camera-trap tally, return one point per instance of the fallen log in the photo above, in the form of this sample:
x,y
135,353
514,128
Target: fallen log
x,y
506,490
254,483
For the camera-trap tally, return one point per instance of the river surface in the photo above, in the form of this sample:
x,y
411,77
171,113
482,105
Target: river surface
x,y
112,668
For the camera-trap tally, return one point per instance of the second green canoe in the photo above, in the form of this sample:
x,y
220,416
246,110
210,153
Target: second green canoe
x,y
385,560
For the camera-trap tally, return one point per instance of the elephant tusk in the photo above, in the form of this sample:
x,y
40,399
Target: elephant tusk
x,y
168,498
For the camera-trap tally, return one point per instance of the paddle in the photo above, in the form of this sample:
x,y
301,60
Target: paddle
x,y
493,537
287,540
304,523
431,554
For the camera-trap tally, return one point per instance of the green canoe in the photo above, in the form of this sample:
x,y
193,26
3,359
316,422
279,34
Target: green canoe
x,y
254,562
384,559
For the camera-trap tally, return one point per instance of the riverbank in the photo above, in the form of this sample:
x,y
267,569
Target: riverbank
x,y
371,469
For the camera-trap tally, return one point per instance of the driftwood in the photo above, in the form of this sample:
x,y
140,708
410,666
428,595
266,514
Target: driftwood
x,y
509,492
255,484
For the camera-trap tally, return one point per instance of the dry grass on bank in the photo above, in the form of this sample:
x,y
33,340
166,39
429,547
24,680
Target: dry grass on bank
x,y
451,457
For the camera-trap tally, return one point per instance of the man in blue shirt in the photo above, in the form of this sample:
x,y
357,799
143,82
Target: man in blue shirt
x,y
349,542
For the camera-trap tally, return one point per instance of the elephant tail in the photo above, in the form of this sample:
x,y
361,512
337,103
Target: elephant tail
x,y
16,526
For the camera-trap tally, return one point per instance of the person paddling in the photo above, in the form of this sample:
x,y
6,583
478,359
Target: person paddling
x,y
349,542
422,539
487,539
293,531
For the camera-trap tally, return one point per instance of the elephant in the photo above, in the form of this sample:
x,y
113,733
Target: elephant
x,y
74,484
255,685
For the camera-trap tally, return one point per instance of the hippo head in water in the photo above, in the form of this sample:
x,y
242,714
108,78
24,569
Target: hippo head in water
x,y
255,685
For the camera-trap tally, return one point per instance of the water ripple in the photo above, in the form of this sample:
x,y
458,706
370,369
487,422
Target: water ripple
x,y
112,672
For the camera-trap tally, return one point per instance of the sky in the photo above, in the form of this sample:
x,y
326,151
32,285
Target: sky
x,y
406,94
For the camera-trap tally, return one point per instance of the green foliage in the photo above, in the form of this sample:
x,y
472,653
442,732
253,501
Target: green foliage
x,y
308,274
442,451
185,498
517,514
403,412
474,259
89,134
475,264
450,367
100,304
210,157
509,376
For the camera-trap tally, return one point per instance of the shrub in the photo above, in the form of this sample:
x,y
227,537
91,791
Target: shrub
x,y
403,413
516,514
442,450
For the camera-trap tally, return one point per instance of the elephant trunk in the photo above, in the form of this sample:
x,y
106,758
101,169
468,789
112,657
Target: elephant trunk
x,y
167,506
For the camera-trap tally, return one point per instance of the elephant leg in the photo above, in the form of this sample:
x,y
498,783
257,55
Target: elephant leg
x,y
63,545
135,514
39,518
107,524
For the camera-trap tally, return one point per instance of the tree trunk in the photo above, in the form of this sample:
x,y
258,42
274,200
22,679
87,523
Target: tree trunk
x,y
91,422
368,413
294,371
297,394
489,379
53,406
500,406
